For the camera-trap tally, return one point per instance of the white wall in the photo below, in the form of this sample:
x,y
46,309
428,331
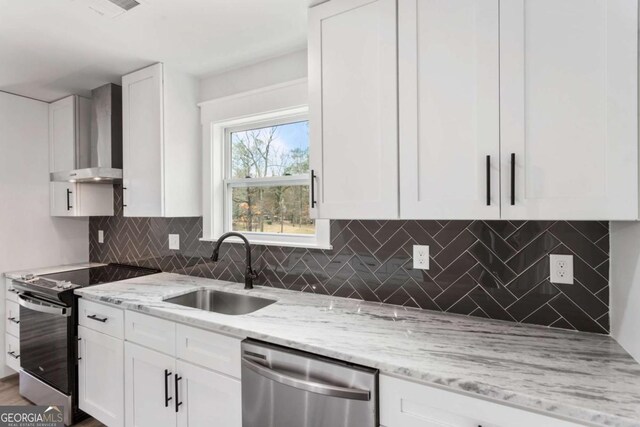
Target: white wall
x,y
625,285
29,237
285,68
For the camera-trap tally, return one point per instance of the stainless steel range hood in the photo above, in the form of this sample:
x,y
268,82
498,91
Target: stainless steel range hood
x,y
100,160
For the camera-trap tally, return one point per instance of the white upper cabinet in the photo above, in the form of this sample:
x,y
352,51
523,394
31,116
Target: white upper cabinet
x,y
568,102
62,198
161,147
353,109
69,130
449,109
69,134
512,109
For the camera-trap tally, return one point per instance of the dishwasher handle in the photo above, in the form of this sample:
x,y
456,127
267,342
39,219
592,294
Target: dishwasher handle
x,y
306,385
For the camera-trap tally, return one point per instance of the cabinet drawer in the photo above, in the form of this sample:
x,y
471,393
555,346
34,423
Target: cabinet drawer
x,y
102,318
407,404
13,318
10,293
12,347
151,332
213,351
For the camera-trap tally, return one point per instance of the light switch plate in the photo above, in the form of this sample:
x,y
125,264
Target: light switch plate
x,y
174,242
421,257
100,236
561,268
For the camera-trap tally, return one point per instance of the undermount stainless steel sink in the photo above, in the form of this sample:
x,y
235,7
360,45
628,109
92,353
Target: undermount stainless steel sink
x,y
221,302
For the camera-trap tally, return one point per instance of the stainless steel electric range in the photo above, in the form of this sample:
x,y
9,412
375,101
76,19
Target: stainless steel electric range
x,y
49,332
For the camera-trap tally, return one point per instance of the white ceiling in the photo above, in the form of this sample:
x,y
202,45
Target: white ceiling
x,y
53,48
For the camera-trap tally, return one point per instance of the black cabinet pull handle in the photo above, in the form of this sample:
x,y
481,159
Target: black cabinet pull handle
x,y
69,193
488,180
13,354
123,204
167,374
13,320
313,188
99,319
178,403
513,179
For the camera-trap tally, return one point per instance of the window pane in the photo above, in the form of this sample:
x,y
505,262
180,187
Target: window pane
x,y
270,151
281,209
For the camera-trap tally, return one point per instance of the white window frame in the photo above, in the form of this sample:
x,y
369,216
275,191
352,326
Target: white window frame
x,y
219,217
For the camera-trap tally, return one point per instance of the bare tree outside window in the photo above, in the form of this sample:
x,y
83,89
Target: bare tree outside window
x,y
270,152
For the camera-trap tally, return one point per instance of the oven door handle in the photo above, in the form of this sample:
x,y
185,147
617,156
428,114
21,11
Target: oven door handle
x,y
306,385
43,307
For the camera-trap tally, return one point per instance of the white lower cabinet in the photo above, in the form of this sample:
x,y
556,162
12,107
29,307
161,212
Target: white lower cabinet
x,y
13,318
12,347
206,396
148,387
12,327
139,382
164,391
407,404
101,376
161,391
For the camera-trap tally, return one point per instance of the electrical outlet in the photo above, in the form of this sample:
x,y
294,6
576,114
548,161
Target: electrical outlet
x,y
420,257
100,236
561,267
174,242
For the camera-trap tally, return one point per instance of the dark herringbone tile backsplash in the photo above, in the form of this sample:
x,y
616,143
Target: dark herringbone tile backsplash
x,y
494,269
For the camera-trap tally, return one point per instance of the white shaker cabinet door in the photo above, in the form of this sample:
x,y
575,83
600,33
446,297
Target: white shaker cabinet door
x,y
62,198
568,102
205,394
143,142
407,404
62,134
149,395
101,376
449,109
353,109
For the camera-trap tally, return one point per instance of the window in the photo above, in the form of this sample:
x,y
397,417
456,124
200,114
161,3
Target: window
x,y
267,178
260,164
256,168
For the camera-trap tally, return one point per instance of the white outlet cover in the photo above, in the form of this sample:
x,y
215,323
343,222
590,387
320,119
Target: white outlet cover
x,y
100,236
561,269
420,257
174,242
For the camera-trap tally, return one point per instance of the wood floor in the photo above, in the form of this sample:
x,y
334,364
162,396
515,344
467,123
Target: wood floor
x,y
9,395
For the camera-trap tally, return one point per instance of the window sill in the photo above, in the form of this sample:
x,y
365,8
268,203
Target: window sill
x,y
271,243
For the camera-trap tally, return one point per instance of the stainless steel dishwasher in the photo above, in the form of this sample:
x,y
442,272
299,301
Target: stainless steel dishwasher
x,y
282,387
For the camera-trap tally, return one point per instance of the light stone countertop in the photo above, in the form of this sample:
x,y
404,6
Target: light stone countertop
x,y
587,378
52,269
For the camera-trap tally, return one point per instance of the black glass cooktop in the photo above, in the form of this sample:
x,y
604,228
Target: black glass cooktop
x,y
103,274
